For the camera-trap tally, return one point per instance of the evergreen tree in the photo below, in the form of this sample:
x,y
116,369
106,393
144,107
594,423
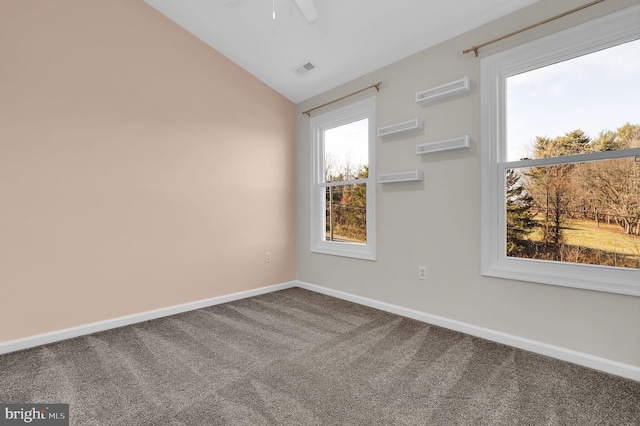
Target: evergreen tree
x,y
575,142
606,141
519,215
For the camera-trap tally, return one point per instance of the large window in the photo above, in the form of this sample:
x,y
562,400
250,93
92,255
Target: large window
x,y
561,158
342,185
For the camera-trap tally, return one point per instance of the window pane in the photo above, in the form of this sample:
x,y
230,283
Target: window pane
x,y
346,213
581,213
346,151
583,100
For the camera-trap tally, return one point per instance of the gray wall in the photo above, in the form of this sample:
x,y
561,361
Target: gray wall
x,y
437,222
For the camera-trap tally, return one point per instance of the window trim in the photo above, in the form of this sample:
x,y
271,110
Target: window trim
x,y
601,33
362,109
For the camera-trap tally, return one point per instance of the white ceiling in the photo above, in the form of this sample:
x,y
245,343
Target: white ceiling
x,y
351,37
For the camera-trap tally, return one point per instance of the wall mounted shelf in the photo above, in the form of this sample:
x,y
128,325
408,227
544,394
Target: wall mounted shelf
x,y
444,91
444,145
410,176
404,127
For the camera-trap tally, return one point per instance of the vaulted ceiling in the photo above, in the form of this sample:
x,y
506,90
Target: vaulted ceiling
x,y
348,39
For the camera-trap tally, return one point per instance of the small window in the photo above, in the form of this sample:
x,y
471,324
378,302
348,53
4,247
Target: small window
x,y
561,158
343,193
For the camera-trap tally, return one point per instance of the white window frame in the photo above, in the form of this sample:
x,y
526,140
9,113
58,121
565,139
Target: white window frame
x,y
359,110
592,36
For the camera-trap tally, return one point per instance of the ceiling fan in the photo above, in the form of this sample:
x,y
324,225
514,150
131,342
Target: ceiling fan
x,y
307,8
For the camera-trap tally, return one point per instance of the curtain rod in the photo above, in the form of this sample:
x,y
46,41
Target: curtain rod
x,y
475,49
377,86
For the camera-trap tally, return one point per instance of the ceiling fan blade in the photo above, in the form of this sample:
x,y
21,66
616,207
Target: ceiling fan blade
x,y
308,9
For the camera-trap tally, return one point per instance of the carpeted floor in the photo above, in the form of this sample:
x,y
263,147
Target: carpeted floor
x,y
295,357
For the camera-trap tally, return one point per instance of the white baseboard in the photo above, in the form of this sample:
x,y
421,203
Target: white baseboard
x,y
597,363
68,333
602,364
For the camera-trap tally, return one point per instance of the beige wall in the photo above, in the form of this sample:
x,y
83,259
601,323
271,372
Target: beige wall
x,y
139,169
436,222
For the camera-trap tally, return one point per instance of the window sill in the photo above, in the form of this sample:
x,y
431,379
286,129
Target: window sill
x,y
352,250
588,277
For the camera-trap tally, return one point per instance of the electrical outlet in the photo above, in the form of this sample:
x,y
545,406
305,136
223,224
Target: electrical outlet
x,y
422,272
267,257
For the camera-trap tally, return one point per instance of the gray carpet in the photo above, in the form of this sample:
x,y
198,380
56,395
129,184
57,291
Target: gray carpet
x,y
295,357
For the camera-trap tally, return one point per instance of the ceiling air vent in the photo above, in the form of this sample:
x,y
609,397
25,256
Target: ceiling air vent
x,y
303,69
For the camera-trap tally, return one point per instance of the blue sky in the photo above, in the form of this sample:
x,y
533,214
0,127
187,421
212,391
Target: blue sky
x,y
599,91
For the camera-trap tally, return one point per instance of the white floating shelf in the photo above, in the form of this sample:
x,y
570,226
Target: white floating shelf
x,y
445,145
407,126
444,91
411,176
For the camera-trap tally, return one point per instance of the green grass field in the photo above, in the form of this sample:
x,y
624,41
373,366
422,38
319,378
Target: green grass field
x,y
606,244
606,237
